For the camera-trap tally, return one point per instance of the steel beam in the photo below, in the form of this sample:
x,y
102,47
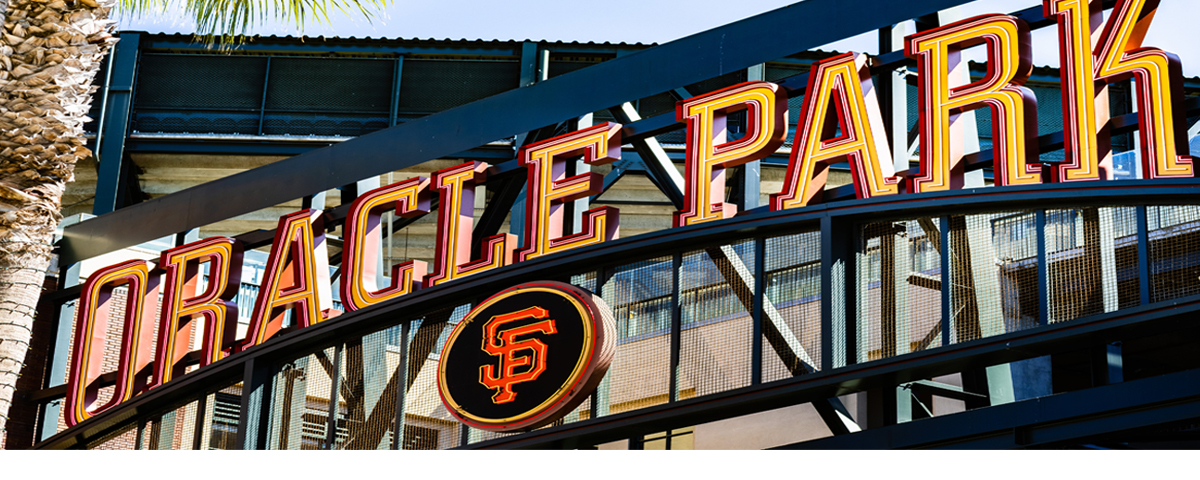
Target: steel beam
x,y
654,159
115,117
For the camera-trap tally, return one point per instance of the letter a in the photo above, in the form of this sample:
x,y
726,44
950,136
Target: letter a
x,y
841,86
296,278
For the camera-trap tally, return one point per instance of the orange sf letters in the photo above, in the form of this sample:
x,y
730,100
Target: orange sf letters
x,y
503,343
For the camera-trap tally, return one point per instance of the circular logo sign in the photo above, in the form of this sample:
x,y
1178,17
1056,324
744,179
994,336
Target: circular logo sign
x,y
526,357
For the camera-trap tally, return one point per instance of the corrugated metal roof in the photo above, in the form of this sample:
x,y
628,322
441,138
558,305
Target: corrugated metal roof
x,y
323,38
814,54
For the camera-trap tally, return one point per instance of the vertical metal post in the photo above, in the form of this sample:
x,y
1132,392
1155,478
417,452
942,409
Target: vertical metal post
x,y
401,386
543,65
1143,253
314,201
141,436
893,101
353,191
1116,362
602,276
531,73
756,314
676,325
335,385
201,424
68,276
637,442
838,305
111,181
1043,268
262,107
529,64
155,435
393,114
256,405
947,280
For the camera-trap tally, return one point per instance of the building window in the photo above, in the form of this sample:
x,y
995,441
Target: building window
x,y
678,439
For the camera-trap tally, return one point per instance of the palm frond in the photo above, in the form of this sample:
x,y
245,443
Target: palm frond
x,y
226,22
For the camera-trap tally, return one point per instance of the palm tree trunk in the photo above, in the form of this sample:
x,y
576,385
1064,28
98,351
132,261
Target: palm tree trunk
x,y
50,51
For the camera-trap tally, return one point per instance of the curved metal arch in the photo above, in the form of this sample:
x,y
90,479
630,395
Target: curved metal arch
x,y
751,225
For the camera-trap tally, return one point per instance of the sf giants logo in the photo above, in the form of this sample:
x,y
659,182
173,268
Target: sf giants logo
x,y
529,353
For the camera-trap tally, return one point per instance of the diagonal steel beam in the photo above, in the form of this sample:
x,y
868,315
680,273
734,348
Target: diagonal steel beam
x,y
385,409
658,165
779,335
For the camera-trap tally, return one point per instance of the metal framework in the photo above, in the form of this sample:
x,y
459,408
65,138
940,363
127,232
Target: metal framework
x,y
532,112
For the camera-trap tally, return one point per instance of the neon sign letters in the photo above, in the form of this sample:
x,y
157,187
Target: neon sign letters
x,y
840,121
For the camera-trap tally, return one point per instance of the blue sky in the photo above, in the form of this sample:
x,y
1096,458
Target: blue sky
x,y
643,21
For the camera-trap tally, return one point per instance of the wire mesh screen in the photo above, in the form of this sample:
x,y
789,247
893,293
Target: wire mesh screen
x,y
323,124
185,429
565,65
323,84
586,281
371,377
427,423
173,97
1174,251
640,296
200,81
155,121
429,86
224,410
125,440
716,297
328,96
994,272
791,335
173,430
300,402
899,288
1092,255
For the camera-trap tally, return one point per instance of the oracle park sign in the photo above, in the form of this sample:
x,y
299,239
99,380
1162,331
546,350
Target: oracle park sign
x,y
839,121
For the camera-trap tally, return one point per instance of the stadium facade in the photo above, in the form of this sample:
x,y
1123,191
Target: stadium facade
x,y
853,298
